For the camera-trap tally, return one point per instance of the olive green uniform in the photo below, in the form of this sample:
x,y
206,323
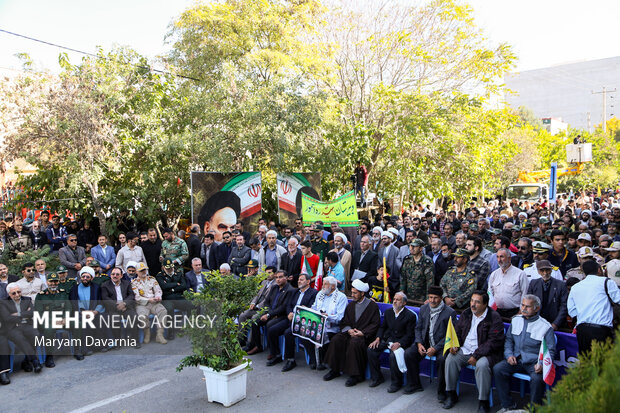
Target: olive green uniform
x,y
47,302
320,247
459,285
175,251
101,279
416,277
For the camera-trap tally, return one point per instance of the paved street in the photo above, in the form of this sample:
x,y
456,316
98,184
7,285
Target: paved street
x,y
131,380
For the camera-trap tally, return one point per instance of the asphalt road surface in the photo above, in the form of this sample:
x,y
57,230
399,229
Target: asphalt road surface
x,y
132,380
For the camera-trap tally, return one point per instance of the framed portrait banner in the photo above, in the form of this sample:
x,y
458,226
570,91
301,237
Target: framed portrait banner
x,y
309,324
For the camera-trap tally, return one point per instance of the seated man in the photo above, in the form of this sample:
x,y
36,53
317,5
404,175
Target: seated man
x,y
430,335
5,359
49,300
16,318
480,332
195,278
332,303
147,294
397,331
99,277
347,351
86,298
258,302
119,300
276,304
172,283
304,296
552,293
523,340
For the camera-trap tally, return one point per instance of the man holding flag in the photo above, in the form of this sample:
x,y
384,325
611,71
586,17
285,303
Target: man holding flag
x,y
529,349
480,333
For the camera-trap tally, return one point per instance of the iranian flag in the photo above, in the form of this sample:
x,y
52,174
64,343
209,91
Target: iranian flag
x,y
544,358
492,302
248,187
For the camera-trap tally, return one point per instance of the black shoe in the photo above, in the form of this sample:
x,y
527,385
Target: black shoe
x,y
78,357
312,366
394,388
441,396
290,365
38,368
412,389
321,367
331,375
352,381
451,400
4,378
171,334
275,360
376,382
483,406
27,366
246,348
49,362
138,345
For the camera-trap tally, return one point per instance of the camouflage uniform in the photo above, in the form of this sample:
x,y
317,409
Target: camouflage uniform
x,y
459,285
175,251
415,278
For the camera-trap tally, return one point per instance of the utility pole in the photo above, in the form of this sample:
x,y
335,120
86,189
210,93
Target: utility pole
x,y
604,93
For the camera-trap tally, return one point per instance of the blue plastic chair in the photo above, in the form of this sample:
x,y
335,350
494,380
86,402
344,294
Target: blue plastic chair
x,y
470,367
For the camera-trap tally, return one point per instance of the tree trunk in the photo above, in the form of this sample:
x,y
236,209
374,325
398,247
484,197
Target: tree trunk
x,y
92,188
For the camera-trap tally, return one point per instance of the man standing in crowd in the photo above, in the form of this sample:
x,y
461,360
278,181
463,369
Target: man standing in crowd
x,y
173,248
417,273
390,253
193,242
222,251
344,257
459,282
430,334
552,294
480,332
72,256
239,256
57,234
591,301
105,254
130,252
508,285
364,261
361,180
151,249
561,257
271,254
291,261
396,332
523,342
207,252
541,253
347,351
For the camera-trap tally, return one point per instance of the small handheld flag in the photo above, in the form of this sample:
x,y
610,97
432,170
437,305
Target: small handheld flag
x,y
452,340
492,302
386,298
544,358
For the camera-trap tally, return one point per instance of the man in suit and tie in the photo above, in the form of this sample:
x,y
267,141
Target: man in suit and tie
x,y
207,252
195,278
397,331
430,334
104,254
304,296
291,261
553,295
16,320
276,304
258,302
119,300
390,252
86,298
364,261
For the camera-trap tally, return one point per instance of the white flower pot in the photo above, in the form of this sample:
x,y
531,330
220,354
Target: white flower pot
x,y
227,386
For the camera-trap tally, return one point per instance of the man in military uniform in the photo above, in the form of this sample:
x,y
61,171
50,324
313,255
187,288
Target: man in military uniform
x,y
320,246
459,282
172,285
52,299
99,278
148,297
516,234
541,252
64,283
526,230
417,273
173,248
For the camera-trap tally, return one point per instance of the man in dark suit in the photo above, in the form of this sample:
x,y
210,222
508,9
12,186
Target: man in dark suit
x,y
399,331
304,296
222,251
86,297
193,243
390,252
291,261
553,295
441,266
195,278
430,334
119,300
16,320
277,302
151,248
364,260
207,252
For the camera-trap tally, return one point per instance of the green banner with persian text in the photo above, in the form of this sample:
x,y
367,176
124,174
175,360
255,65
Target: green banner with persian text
x,y
342,210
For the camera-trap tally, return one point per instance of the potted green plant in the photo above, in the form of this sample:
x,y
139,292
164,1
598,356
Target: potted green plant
x,y
215,344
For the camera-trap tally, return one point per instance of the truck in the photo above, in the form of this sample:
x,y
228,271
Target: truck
x,y
533,186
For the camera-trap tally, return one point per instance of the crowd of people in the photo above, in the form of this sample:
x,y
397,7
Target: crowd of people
x,y
539,268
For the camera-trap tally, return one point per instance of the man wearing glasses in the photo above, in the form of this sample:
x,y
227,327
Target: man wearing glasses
x,y
29,285
72,256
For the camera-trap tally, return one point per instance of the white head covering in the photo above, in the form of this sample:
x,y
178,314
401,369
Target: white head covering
x,y
393,231
88,270
359,285
342,236
132,264
387,234
377,228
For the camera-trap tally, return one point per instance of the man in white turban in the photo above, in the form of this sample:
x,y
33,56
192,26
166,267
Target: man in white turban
x,y
347,350
344,257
